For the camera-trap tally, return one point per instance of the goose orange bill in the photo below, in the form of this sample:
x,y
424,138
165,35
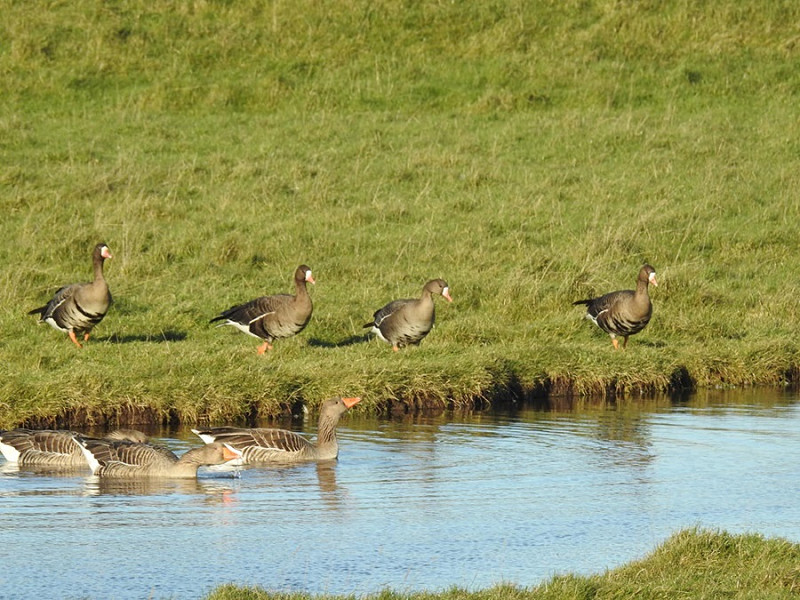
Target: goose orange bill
x,y
350,402
230,453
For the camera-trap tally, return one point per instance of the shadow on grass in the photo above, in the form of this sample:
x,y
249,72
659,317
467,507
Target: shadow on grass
x,y
353,339
156,338
650,343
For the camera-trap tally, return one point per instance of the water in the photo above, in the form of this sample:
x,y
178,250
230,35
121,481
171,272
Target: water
x,y
416,504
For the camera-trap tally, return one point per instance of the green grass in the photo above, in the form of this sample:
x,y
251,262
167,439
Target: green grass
x,y
529,153
694,564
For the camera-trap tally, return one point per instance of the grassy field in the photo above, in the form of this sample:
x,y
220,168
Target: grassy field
x,y
691,564
531,154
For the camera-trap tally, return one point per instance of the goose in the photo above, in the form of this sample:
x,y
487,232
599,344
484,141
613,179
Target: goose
x,y
273,317
52,448
77,308
624,312
260,445
123,459
408,321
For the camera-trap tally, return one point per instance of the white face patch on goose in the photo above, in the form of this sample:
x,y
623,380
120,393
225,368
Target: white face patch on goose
x,y
308,274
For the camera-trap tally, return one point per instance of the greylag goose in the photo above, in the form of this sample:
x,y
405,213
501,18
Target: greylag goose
x,y
273,317
122,459
282,446
52,448
77,308
408,321
624,312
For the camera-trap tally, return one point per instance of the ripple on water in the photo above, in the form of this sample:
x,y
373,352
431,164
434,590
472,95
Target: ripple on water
x,y
420,504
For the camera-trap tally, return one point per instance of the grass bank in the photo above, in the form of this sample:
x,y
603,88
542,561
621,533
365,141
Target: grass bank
x,y
529,153
690,564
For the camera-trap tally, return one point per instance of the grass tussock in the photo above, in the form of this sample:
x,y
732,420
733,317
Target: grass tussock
x,y
690,564
530,154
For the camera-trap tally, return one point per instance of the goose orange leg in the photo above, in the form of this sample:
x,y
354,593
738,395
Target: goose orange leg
x,y
264,347
74,339
616,343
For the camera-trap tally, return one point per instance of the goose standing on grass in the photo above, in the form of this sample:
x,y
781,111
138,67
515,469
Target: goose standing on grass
x,y
77,308
52,448
408,321
130,460
273,317
280,445
624,312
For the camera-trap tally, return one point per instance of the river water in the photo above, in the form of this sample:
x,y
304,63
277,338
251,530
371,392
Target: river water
x,y
422,503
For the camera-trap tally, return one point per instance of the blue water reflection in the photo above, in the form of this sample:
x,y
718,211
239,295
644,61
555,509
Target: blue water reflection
x,y
419,503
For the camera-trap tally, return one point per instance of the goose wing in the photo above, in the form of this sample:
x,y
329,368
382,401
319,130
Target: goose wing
x,y
127,452
61,296
256,443
40,448
249,312
387,311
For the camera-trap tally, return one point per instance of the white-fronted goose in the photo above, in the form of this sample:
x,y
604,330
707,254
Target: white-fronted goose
x,y
273,317
121,459
52,448
408,321
77,308
624,312
282,446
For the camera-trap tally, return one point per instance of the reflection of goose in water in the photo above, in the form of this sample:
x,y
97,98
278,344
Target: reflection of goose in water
x,y
332,494
213,490
45,471
52,449
326,476
297,479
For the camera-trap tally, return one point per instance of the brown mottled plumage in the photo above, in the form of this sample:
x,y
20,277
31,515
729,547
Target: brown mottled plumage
x,y
282,446
52,448
77,308
624,312
121,459
409,320
273,317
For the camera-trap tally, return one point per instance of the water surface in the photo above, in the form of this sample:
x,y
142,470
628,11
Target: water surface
x,y
469,500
